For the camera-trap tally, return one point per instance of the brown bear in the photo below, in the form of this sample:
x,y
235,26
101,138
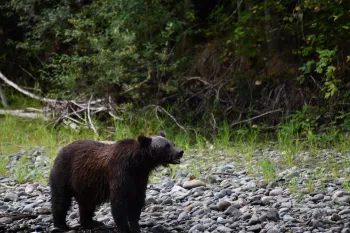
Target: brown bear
x,y
94,173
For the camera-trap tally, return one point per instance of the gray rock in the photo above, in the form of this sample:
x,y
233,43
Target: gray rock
x,y
223,229
192,184
345,200
273,230
5,220
276,192
221,194
266,200
234,212
317,223
345,211
224,221
335,217
73,215
150,201
337,194
272,215
198,227
167,201
179,193
30,188
254,220
159,229
287,204
317,214
249,185
223,205
43,210
256,227
317,197
148,223
29,208
239,203
169,184
10,197
183,216
287,217
246,216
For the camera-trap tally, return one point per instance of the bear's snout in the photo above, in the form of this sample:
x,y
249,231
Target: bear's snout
x,y
177,156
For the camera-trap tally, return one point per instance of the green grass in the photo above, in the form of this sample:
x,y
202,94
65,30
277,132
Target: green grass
x,y
22,172
3,163
21,134
200,141
239,145
268,169
293,185
223,138
310,184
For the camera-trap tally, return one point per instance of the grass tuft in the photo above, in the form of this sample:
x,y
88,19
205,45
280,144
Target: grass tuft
x,y
268,169
3,164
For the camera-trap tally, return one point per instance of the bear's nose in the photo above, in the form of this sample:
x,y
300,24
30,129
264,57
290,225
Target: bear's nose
x,y
181,153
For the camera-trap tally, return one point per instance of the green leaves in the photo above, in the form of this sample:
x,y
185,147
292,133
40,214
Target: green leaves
x,y
101,47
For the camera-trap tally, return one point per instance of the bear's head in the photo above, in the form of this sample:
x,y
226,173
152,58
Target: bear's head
x,y
161,149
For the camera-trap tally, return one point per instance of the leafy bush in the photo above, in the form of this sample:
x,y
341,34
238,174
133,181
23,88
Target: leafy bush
x,y
106,47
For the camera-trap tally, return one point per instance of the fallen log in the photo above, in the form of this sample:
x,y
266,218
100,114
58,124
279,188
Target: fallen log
x,y
24,114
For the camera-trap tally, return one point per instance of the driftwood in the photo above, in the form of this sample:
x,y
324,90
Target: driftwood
x,y
14,85
25,114
74,113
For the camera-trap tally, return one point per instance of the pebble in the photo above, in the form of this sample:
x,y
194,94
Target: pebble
x,y
223,205
10,197
5,220
30,188
192,184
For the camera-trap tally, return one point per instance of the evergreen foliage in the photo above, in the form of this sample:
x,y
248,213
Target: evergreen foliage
x,y
204,60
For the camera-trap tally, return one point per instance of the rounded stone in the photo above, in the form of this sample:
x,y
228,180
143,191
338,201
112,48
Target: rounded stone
x,y
192,184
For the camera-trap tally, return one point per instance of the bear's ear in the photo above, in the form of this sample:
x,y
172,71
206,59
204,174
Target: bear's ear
x,y
144,141
162,134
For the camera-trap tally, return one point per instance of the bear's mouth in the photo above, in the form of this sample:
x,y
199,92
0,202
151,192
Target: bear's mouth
x,y
176,158
176,161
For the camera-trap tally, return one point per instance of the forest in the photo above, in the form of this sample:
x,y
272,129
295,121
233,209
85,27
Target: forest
x,y
202,63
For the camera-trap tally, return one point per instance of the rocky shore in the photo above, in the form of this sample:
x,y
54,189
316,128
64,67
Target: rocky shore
x,y
225,197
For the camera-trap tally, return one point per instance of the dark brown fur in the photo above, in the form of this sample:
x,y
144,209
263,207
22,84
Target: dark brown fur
x,y
95,173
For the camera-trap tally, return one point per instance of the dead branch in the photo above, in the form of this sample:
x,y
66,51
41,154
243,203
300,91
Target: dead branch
x,y
196,78
78,111
137,85
89,117
24,114
14,85
166,112
266,113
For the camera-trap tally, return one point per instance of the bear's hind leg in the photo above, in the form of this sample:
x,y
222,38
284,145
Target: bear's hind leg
x,y
86,211
60,207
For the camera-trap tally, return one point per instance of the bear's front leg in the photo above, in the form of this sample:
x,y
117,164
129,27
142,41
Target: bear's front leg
x,y
134,213
119,211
